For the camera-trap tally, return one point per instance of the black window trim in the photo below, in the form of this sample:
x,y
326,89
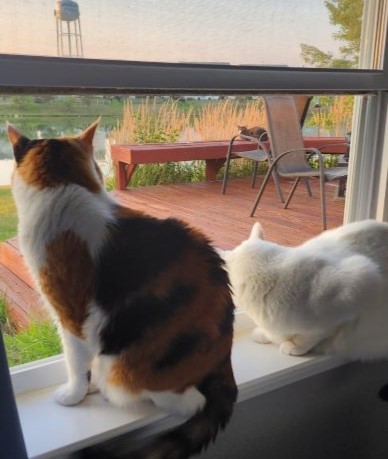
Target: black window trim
x,y
35,74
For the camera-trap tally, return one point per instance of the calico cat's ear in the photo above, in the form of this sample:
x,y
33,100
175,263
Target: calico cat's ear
x,y
19,142
256,231
88,134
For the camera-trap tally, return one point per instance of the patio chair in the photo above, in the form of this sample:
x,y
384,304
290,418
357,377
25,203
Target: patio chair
x,y
261,153
288,152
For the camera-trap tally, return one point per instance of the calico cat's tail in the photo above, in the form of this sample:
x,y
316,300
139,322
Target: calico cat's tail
x,y
195,434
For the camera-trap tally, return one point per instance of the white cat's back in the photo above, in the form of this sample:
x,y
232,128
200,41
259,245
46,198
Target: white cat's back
x,y
366,337
366,237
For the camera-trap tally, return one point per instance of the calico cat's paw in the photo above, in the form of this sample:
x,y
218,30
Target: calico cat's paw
x,y
184,404
93,388
259,336
68,394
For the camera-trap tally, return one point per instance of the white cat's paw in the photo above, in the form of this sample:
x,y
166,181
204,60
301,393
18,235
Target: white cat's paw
x,y
259,336
290,348
69,394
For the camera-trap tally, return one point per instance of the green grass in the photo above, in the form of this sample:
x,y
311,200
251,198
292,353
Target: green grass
x,y
38,341
8,217
3,313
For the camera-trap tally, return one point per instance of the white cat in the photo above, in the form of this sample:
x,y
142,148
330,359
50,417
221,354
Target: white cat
x,y
329,294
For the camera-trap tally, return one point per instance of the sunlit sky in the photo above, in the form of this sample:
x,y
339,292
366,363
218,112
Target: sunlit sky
x,y
228,31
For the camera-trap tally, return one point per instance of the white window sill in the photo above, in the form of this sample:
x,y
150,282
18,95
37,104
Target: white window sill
x,y
51,430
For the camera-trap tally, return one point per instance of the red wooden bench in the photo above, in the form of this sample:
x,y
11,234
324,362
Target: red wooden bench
x,y
127,157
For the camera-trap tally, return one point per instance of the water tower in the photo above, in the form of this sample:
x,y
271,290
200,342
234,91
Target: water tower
x,y
69,39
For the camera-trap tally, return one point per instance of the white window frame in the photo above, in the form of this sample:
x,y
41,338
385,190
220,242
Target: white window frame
x,y
368,183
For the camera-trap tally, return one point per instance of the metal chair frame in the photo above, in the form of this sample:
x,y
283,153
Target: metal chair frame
x,y
260,154
286,108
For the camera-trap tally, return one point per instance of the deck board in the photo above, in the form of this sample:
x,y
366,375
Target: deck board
x,y
225,218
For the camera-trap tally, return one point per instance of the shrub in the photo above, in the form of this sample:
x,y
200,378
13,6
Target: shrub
x,y
328,161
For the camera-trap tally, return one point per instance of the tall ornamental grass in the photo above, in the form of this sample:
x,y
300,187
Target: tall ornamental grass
x,y
151,121
335,116
220,121
156,121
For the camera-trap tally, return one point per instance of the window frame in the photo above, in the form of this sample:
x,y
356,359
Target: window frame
x,y
37,74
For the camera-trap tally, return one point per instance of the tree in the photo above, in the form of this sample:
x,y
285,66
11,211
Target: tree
x,y
347,15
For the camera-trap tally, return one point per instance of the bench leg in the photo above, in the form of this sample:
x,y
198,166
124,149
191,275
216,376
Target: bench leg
x,y
212,168
123,174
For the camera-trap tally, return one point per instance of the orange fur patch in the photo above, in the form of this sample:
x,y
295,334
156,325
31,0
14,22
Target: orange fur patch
x,y
64,162
67,279
135,370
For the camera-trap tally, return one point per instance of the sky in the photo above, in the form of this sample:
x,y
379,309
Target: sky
x,y
254,32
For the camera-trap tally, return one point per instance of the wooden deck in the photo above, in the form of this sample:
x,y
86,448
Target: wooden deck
x,y
223,218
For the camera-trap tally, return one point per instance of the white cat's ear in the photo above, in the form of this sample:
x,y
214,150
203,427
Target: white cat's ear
x,y
256,231
88,134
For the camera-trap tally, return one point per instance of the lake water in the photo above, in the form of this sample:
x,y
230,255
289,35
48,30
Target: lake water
x,y
6,165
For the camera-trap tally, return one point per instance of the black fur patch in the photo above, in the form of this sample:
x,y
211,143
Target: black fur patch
x,y
179,349
138,314
138,250
218,273
178,441
226,324
21,148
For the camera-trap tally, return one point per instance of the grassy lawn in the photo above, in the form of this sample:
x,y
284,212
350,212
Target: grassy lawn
x,y
8,217
37,341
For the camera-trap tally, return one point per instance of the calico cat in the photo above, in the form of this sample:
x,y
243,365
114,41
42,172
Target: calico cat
x,y
328,294
144,303
255,131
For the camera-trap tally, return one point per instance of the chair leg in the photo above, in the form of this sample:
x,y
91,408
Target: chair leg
x,y
277,185
297,180
254,173
308,187
262,188
323,202
226,172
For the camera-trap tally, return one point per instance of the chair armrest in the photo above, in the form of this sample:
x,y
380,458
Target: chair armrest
x,y
250,138
229,152
313,151
260,145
